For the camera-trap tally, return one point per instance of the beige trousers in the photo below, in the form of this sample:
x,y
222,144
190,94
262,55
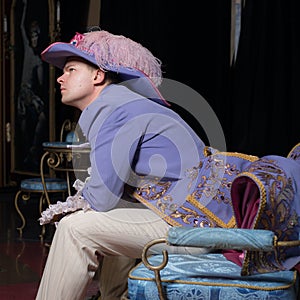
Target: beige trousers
x,y
79,240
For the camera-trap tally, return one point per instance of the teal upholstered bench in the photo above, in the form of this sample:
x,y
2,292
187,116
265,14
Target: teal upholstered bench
x,y
208,275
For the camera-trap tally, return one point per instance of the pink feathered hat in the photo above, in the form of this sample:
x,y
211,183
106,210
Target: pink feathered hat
x,y
134,63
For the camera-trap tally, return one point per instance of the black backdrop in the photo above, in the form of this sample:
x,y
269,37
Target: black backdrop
x,y
264,103
256,99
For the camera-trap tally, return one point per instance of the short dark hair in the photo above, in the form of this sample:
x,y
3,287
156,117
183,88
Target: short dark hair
x,y
112,77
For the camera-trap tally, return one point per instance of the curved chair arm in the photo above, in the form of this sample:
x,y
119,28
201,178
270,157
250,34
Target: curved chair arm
x,y
157,268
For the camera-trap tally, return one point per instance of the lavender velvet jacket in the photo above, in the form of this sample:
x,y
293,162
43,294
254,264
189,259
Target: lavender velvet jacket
x,y
135,140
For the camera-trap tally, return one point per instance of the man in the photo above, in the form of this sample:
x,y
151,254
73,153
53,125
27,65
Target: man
x,y
149,170
134,142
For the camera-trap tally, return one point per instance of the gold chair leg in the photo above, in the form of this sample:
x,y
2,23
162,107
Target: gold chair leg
x,y
19,212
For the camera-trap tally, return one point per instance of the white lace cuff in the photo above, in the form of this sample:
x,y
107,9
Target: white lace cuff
x,y
73,203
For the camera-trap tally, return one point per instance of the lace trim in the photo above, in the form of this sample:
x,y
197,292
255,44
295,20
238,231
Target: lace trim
x,y
55,212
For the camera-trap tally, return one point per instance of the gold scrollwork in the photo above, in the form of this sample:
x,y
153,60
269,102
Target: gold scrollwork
x,y
54,160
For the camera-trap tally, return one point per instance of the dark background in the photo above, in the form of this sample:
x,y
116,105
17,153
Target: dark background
x,y
255,98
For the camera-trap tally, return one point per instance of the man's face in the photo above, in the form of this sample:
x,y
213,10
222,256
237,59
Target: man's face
x,y
77,83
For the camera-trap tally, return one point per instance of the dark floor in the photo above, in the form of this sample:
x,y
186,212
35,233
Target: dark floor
x,y
22,259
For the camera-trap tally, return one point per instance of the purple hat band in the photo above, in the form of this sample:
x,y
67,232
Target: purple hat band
x,y
57,53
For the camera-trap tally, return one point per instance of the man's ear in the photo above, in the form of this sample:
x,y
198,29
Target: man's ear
x,y
99,76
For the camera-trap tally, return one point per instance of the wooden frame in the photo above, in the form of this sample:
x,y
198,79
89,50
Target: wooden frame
x,y
32,90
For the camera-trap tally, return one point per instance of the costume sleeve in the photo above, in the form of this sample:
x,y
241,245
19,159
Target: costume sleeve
x,y
265,196
114,144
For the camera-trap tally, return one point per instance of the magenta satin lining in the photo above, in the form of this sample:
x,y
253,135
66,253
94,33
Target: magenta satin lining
x,y
249,205
245,200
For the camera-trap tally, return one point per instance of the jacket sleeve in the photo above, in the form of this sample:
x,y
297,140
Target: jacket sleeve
x,y
113,148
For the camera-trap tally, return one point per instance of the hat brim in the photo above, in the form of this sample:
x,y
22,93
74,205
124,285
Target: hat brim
x,y
57,54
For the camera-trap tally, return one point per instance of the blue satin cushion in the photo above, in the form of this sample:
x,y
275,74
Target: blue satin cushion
x,y
36,185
